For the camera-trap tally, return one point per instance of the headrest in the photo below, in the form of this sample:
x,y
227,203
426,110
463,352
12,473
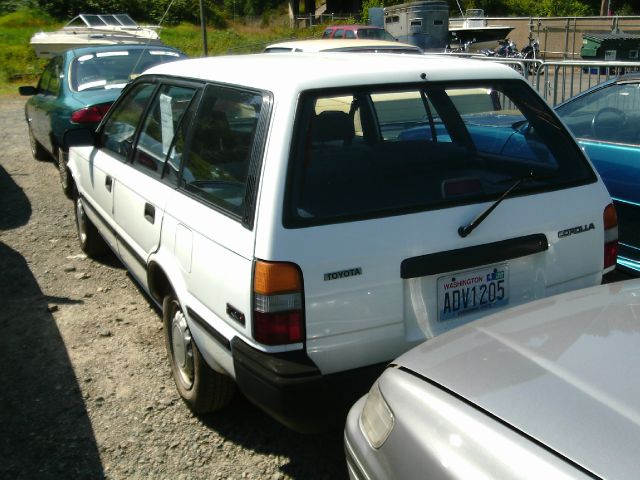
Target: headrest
x,y
333,125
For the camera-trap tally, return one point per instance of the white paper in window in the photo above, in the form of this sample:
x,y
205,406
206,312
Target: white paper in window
x,y
166,118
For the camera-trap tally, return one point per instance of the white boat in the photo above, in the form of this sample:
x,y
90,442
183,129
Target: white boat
x,y
93,29
472,29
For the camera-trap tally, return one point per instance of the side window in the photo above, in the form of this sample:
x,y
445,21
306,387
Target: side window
x,y
338,34
609,114
217,163
56,71
159,128
349,34
119,131
43,84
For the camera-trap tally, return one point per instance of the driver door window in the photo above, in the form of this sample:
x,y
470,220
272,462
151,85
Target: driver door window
x,y
119,130
608,115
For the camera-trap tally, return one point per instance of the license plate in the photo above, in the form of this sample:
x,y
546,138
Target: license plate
x,y
474,290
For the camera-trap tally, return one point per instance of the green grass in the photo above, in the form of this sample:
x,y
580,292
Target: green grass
x,y
19,65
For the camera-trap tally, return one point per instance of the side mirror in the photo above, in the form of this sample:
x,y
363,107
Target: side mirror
x,y
27,91
80,137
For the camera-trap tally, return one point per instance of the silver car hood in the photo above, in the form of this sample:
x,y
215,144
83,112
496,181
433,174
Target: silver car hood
x,y
565,370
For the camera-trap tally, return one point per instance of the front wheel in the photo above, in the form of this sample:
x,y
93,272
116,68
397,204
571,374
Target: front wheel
x,y
202,388
65,175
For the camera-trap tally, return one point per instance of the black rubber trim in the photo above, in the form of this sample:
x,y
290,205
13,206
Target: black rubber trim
x,y
274,366
470,257
292,389
500,421
216,335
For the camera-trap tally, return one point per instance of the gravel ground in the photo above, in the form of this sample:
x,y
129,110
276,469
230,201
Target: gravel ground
x,y
86,387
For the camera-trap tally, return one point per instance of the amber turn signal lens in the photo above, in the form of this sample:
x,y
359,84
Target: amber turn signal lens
x,y
610,217
275,277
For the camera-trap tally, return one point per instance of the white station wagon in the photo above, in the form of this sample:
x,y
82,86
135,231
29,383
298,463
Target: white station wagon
x,y
304,219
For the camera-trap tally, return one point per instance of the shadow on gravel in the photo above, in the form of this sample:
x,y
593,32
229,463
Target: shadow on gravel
x,y
246,425
45,431
15,208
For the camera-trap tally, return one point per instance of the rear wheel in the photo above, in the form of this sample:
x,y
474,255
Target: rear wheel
x,y
65,175
202,388
90,240
37,150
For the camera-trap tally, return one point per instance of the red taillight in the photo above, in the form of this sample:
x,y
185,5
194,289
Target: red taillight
x,y
91,114
278,315
610,220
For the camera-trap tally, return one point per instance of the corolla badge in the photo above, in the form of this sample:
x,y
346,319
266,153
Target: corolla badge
x,y
575,230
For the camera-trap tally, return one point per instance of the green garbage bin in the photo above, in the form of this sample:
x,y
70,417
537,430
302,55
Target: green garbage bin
x,y
622,47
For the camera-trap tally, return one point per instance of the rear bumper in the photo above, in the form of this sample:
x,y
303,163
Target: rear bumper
x,y
291,388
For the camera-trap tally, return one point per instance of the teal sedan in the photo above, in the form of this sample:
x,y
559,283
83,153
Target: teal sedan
x,y
77,88
605,120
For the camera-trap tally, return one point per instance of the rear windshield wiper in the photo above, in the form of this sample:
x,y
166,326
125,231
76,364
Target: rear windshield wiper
x,y
465,230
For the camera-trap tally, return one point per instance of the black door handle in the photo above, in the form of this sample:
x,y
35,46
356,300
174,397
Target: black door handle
x,y
149,213
108,182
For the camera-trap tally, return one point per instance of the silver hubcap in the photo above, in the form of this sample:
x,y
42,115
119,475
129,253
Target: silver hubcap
x,y
82,226
182,348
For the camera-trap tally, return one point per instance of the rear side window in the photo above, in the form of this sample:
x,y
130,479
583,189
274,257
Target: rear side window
x,y
376,152
217,165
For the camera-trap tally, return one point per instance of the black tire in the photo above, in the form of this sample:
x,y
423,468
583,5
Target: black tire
x,y
66,181
201,388
90,240
37,150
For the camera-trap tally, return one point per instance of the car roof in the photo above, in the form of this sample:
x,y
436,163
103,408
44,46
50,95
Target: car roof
x,y
283,73
562,370
354,44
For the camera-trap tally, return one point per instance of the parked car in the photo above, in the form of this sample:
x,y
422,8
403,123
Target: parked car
x,y
76,89
368,32
538,391
353,45
605,121
296,242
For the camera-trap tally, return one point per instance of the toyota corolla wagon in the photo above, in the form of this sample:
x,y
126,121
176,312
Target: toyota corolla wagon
x,y
303,219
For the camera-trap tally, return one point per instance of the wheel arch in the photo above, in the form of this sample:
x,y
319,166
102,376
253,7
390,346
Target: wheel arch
x,y
159,284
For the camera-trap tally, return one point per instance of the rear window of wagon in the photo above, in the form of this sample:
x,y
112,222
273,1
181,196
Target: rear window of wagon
x,y
370,152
